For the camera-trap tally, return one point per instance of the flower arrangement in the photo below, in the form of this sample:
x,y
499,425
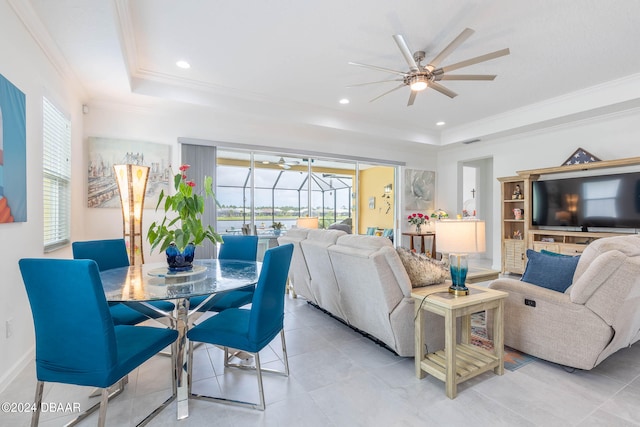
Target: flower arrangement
x,y
417,219
439,214
182,222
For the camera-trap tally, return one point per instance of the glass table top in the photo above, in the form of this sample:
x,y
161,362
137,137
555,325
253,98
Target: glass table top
x,y
149,282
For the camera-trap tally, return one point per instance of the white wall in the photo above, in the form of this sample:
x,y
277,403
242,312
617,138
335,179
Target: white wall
x,y
608,138
165,122
26,66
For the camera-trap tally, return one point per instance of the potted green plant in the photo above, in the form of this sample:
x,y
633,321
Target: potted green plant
x,y
277,228
181,229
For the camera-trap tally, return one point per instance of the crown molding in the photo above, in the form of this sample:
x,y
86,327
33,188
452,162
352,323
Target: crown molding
x,y
612,97
34,26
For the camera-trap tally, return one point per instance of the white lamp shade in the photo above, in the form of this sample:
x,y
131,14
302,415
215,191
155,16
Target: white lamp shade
x,y
460,236
307,222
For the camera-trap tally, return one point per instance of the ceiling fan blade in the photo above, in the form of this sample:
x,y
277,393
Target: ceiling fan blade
x,y
387,92
476,60
371,83
387,70
442,89
406,52
412,98
465,77
462,37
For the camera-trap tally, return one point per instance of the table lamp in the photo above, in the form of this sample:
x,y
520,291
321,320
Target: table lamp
x,y
459,238
132,184
307,222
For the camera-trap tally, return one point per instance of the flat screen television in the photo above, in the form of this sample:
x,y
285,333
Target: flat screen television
x,y
609,201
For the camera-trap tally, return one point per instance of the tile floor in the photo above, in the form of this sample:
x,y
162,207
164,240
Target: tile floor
x,y
339,378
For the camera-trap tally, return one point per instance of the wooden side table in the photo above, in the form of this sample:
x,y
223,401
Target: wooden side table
x,y
458,362
422,236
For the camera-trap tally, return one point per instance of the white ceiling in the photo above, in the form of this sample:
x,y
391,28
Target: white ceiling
x,y
288,58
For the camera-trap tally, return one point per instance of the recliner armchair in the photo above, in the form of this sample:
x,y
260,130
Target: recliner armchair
x,y
596,316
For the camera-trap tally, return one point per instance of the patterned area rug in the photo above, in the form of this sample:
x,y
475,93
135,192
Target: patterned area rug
x,y
513,359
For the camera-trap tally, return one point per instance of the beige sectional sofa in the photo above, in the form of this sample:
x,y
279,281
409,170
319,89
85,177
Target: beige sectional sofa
x,y
360,280
596,316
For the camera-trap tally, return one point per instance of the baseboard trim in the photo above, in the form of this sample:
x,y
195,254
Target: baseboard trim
x,y
16,369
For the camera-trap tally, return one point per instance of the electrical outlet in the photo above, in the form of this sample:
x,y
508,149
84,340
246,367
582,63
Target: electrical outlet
x,y
9,328
529,302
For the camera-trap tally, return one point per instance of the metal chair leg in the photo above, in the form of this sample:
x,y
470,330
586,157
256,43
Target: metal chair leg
x,y
103,407
284,354
189,367
259,370
261,406
35,418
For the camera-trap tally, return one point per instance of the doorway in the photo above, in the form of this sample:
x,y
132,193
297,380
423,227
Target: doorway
x,y
475,195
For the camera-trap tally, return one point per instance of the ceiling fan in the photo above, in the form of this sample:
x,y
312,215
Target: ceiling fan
x,y
420,77
286,164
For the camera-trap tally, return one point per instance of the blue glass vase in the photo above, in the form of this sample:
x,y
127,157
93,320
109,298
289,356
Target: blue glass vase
x,y
458,265
180,261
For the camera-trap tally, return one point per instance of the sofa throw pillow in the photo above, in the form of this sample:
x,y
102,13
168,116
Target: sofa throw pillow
x,y
550,271
422,271
546,252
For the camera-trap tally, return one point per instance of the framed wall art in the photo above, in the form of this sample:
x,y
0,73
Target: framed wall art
x,y
13,153
102,188
419,189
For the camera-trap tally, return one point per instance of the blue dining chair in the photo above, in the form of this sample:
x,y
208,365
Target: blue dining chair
x,y
252,329
81,345
243,248
112,253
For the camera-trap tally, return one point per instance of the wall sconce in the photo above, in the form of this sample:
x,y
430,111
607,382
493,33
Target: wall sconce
x,y
132,184
387,191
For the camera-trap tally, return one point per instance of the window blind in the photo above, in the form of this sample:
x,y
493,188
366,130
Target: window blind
x,y
56,189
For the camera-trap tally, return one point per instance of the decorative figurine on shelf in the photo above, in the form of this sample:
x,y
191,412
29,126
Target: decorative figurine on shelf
x,y
517,193
517,235
517,214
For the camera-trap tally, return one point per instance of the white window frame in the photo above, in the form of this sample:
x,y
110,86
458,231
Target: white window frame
x,y
56,177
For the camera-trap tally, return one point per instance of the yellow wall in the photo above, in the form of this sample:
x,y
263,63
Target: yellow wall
x,y
372,183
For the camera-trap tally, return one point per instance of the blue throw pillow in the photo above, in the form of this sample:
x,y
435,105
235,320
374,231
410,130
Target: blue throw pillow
x,y
550,271
546,252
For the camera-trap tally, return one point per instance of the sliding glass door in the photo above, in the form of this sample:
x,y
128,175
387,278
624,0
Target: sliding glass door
x,y
266,194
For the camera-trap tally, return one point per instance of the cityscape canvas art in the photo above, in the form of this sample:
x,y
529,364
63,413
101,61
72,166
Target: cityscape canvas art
x,y
106,152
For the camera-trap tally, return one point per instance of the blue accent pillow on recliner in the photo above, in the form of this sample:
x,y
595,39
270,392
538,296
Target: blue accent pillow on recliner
x,y
550,271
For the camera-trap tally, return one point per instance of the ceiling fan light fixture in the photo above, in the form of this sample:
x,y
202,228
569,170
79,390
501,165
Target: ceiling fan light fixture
x,y
418,83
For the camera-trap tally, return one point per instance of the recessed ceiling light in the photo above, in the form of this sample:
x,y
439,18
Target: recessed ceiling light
x,y
344,101
183,64
440,123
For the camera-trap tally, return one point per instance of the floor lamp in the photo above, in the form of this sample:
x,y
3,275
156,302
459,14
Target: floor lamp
x,y
459,238
132,183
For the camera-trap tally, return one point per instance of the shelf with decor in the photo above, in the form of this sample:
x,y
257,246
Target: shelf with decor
x,y
555,240
564,242
515,207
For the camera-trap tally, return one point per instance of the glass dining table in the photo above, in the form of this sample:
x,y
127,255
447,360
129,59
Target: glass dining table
x,y
138,285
